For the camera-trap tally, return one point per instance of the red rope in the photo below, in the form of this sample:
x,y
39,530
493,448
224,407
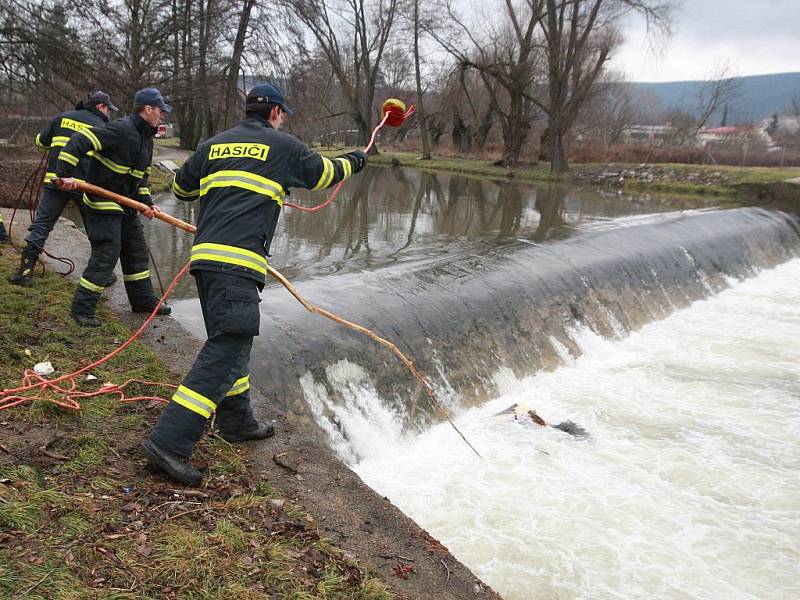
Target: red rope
x,y
341,183
12,397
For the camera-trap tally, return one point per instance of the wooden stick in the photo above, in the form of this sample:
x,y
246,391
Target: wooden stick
x,y
130,203
125,201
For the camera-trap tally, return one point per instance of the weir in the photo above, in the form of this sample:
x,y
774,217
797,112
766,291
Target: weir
x,y
463,318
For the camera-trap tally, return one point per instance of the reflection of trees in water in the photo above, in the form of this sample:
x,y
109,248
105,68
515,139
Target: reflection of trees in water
x,y
426,182
550,204
509,199
357,204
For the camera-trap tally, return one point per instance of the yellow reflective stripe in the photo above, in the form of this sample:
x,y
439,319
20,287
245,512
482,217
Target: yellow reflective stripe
x,y
179,191
48,177
59,140
92,138
144,191
136,276
193,401
136,173
101,205
39,144
327,174
244,180
230,255
85,283
111,165
347,167
68,158
148,170
241,386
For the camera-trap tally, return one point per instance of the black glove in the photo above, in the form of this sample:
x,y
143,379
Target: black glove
x,y
359,160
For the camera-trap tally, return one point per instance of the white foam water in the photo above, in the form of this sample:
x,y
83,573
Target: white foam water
x,y
688,486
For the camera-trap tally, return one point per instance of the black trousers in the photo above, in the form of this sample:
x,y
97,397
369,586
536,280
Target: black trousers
x,y
219,379
51,205
115,236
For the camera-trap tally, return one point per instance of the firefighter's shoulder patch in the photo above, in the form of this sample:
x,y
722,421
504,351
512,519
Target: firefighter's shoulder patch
x,y
238,150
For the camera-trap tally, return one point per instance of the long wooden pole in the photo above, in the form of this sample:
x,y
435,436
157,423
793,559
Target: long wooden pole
x,y
189,228
130,203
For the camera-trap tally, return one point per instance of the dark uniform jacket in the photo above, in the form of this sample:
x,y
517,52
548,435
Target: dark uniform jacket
x,y
57,133
241,178
120,152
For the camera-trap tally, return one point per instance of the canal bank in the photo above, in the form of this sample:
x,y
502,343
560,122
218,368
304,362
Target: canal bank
x,y
740,184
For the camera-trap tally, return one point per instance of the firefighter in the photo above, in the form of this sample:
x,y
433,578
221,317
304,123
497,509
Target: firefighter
x,y
88,114
121,152
240,179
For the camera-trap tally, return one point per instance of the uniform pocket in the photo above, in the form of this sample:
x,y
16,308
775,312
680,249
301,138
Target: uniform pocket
x,y
242,316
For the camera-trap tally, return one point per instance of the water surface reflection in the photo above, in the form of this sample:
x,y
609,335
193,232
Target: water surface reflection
x,y
387,216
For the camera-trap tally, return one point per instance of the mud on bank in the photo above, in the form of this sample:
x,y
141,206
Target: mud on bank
x,y
79,510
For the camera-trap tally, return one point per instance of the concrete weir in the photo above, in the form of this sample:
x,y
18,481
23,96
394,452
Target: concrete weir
x,y
462,319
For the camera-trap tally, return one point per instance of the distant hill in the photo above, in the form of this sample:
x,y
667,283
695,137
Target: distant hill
x,y
760,96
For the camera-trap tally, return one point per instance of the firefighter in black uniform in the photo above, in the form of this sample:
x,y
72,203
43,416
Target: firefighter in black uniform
x,y
240,178
87,115
121,152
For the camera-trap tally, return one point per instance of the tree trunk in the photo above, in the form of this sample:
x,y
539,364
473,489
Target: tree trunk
x,y
421,117
558,154
515,131
232,104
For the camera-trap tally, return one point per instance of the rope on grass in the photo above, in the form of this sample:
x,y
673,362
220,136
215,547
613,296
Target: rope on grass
x,y
66,386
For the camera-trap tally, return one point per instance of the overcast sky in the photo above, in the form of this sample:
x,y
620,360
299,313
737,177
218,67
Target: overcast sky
x,y
755,36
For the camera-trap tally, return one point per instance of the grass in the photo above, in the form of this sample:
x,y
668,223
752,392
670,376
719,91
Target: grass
x,y
173,142
81,516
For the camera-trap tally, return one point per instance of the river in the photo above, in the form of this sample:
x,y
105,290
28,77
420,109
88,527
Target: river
x,y
670,343
688,486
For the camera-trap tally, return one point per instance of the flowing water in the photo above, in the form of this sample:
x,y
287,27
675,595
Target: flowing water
x,y
688,486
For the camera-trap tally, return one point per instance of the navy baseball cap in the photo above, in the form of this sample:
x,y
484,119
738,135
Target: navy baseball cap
x,y
99,97
265,93
151,97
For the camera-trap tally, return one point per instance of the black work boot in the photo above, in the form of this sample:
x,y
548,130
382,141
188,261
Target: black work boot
x,y
164,309
173,465
85,320
4,239
27,262
258,431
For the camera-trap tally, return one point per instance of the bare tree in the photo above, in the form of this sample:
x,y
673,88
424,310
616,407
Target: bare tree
x,y
353,35
232,105
579,35
422,116
507,54
719,89
606,114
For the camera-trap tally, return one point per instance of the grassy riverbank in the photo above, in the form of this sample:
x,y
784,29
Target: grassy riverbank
x,y
682,179
82,517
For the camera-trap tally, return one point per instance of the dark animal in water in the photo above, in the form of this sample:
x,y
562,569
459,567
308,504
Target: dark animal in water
x,y
521,412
